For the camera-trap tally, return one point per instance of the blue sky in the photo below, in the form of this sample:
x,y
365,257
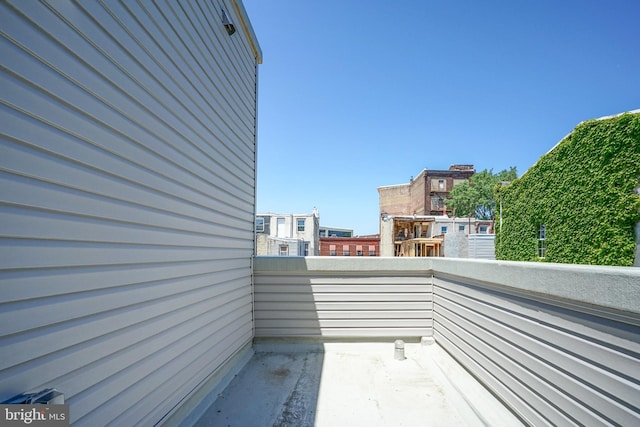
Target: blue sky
x,y
358,94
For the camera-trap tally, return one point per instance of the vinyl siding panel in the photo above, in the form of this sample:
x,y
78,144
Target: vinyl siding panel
x,y
554,365
482,246
313,305
127,202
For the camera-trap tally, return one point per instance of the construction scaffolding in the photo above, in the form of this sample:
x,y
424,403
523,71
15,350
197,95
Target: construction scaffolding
x,y
412,238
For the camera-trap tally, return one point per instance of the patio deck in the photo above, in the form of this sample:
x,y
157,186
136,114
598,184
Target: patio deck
x,y
353,384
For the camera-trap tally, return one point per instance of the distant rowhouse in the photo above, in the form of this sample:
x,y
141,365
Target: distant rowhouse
x,y
424,194
335,232
427,236
414,218
287,234
350,246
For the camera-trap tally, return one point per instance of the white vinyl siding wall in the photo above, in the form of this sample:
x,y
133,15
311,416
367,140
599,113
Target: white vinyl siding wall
x,y
294,299
482,246
127,193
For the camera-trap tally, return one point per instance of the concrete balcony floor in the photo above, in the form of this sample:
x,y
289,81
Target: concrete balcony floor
x,y
354,384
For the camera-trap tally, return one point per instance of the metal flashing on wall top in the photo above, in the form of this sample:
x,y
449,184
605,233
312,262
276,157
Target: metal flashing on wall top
x,y
248,29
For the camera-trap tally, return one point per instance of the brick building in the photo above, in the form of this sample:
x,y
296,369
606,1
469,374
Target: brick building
x,y
350,246
425,194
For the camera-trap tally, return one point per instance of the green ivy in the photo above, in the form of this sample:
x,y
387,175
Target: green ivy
x,y
583,192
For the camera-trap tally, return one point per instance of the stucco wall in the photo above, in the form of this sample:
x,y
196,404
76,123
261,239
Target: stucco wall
x,y
456,245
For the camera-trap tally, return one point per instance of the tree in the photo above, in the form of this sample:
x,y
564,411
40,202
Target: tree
x,y
476,196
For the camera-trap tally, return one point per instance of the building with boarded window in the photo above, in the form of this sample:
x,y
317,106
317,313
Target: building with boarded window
x,y
424,194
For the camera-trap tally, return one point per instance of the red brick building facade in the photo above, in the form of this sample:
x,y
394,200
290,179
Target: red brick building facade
x,y
424,195
350,246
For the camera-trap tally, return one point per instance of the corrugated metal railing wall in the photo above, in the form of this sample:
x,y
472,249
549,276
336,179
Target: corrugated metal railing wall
x,y
534,334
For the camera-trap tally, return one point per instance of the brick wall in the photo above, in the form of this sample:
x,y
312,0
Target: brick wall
x,y
351,244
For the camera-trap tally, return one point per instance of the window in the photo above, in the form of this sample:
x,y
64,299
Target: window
x,y
483,229
284,250
542,241
327,232
332,250
443,229
306,249
372,250
441,184
345,250
359,250
260,225
282,230
300,224
461,228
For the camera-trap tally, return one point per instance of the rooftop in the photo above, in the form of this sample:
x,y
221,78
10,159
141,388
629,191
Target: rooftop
x,y
486,343
297,384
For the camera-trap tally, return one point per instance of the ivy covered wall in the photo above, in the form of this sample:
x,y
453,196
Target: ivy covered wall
x,y
582,192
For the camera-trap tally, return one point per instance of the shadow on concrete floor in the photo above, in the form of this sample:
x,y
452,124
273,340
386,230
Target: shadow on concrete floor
x,y
353,384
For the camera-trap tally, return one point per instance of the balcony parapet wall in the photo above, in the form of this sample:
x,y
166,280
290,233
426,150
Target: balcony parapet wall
x,y
336,298
558,344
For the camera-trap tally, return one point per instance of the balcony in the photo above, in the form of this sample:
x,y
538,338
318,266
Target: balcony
x,y
487,343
